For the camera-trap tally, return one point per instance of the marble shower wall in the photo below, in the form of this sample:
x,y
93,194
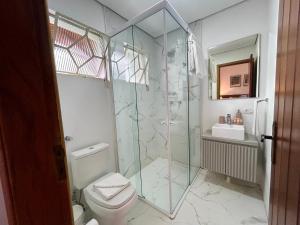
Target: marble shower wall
x,y
180,101
178,94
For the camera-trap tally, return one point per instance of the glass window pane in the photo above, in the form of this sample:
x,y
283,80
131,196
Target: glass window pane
x,y
91,68
63,61
98,44
67,33
81,51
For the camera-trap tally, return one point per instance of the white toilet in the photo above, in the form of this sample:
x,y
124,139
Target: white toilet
x,y
88,166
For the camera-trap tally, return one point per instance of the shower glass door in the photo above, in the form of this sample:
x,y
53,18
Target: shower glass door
x,y
195,101
176,42
152,110
125,101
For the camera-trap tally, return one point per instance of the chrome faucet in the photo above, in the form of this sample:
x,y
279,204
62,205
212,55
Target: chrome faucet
x,y
228,119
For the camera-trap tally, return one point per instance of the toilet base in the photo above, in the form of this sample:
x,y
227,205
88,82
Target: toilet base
x,y
111,216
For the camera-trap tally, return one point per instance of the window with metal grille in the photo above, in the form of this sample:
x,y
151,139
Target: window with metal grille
x,y
78,49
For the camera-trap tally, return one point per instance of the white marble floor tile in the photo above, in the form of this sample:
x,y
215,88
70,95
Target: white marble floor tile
x,y
210,201
155,182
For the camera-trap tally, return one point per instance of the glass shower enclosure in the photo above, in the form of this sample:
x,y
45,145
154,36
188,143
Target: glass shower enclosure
x,y
153,97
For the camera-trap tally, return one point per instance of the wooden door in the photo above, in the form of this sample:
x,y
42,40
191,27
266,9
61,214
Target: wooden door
x,y
285,183
33,180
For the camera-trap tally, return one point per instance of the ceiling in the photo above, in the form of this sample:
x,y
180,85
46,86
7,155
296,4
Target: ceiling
x,y
190,10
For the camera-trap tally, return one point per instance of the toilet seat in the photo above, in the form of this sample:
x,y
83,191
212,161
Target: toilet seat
x,y
116,202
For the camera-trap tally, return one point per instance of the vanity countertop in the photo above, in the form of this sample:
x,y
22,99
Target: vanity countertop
x,y
250,139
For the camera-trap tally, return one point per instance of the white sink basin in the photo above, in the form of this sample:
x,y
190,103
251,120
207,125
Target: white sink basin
x,y
229,131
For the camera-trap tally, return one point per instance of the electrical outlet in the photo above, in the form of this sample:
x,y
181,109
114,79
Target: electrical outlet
x,y
248,111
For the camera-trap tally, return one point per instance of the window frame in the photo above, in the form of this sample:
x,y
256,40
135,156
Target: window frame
x,y
105,63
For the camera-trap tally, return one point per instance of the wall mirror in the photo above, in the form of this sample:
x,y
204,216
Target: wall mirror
x,y
234,69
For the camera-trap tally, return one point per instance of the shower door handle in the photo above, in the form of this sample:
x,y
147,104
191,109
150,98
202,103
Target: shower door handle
x,y
171,123
164,123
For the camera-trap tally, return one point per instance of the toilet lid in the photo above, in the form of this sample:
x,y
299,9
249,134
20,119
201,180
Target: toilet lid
x,y
116,202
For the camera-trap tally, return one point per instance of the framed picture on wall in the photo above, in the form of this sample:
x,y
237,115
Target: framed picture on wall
x,y
246,80
235,81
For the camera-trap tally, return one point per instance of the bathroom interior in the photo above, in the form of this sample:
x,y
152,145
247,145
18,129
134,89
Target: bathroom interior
x,y
166,108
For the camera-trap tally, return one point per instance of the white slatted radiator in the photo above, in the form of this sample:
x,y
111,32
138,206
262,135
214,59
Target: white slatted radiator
x,y
232,159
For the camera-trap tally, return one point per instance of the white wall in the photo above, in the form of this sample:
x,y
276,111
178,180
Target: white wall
x,y
245,19
87,114
87,103
270,91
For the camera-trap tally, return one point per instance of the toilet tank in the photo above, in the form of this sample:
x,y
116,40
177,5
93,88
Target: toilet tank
x,y
88,164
